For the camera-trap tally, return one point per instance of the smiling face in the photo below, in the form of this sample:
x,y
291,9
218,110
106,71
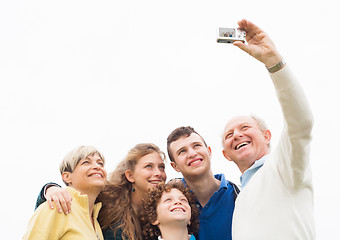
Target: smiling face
x,y
167,208
244,142
89,175
173,206
191,156
148,172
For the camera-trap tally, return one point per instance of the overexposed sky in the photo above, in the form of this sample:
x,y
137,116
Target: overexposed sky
x,y
116,73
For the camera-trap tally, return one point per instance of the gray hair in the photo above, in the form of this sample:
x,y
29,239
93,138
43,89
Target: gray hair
x,y
260,123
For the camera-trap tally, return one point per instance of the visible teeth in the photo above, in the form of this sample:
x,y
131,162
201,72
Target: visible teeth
x,y
154,182
195,162
178,209
96,174
241,145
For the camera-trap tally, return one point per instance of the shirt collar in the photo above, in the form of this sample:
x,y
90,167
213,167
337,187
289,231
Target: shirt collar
x,y
246,176
220,177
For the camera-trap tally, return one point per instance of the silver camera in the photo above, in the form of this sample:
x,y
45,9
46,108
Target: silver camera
x,y
230,35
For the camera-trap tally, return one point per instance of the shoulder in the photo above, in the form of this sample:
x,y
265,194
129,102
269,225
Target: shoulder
x,y
228,184
44,209
225,182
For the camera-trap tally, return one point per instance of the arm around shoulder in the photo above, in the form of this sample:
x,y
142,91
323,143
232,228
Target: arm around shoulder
x,y
41,197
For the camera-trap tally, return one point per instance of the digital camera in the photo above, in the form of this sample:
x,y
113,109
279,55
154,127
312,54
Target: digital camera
x,y
230,35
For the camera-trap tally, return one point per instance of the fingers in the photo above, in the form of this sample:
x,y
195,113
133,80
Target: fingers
x,y
56,201
250,27
66,201
60,198
259,45
241,46
49,201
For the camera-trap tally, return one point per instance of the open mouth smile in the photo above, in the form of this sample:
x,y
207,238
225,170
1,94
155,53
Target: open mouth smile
x,y
177,209
241,145
96,175
195,161
155,182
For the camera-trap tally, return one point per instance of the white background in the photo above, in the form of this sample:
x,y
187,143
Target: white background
x,y
116,73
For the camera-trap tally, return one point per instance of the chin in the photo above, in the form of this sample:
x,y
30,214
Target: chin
x,y
152,186
98,185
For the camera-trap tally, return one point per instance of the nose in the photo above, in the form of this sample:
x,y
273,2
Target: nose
x,y
96,165
237,134
157,172
191,152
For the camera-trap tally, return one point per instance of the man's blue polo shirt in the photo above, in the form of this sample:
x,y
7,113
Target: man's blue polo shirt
x,y
216,216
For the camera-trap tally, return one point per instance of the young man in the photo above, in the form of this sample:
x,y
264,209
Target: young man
x,y
190,155
83,172
276,201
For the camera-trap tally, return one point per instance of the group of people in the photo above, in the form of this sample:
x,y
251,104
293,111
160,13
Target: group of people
x,y
136,202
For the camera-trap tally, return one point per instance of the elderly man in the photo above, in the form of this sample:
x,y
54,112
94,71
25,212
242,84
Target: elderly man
x,y
276,200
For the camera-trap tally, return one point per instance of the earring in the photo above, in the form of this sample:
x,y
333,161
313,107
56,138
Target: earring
x,y
133,189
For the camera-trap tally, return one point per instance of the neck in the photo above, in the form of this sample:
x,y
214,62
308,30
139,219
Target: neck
x,y
92,200
174,233
91,197
136,198
203,187
245,165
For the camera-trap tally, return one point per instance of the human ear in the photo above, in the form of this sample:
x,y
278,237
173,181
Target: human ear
x,y
174,165
66,176
155,222
129,175
226,155
209,151
267,136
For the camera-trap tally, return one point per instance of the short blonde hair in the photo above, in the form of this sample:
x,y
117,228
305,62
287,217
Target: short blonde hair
x,y
73,157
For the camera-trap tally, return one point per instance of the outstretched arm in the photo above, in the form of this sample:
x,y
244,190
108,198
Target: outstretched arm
x,y
293,148
258,45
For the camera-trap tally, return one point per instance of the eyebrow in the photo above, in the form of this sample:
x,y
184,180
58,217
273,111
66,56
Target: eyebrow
x,y
236,126
149,162
180,149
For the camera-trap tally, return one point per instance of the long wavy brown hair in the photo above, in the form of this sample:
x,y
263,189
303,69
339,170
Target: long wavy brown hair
x,y
117,211
149,213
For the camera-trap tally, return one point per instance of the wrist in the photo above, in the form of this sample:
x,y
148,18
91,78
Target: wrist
x,y
276,67
272,58
47,186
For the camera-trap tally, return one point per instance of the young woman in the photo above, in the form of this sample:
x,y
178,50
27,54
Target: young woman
x,y
170,213
83,172
142,168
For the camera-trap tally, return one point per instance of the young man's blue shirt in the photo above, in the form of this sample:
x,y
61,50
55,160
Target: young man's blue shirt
x,y
216,216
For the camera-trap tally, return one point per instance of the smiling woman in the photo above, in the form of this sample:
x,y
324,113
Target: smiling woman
x,y
83,172
142,168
